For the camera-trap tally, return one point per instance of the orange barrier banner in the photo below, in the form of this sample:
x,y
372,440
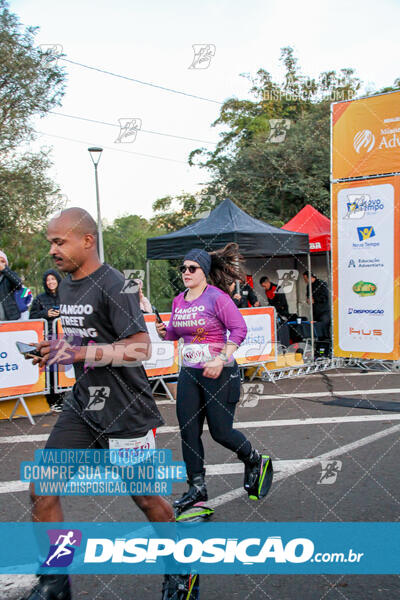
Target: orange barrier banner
x,y
260,343
366,136
64,374
259,346
164,358
366,268
18,376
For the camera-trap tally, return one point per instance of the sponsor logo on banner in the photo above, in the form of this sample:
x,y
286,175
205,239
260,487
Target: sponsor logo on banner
x,y
365,263
365,332
365,311
366,136
360,204
364,141
365,233
62,547
364,288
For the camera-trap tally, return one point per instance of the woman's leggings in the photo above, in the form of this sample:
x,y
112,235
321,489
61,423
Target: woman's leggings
x,y
199,398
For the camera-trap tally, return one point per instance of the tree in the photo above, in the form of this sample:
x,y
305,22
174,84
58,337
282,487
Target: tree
x,y
125,249
175,212
30,85
273,158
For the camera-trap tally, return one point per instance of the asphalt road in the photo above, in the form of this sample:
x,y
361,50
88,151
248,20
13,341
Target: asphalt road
x,y
293,420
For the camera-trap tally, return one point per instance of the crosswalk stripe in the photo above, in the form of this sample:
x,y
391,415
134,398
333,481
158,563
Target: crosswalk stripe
x,y
19,439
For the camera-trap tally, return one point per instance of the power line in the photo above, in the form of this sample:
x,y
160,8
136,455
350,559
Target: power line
x,y
154,85
179,137
60,137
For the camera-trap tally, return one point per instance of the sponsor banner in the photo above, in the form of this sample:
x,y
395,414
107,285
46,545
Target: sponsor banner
x,y
214,548
18,376
164,358
366,136
259,346
260,343
365,268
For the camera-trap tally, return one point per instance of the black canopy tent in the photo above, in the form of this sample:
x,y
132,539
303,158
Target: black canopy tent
x,y
228,223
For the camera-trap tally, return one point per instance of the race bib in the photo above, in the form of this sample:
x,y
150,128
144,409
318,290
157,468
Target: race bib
x,y
147,442
196,353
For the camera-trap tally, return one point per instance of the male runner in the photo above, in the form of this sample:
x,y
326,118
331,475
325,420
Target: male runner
x,y
110,324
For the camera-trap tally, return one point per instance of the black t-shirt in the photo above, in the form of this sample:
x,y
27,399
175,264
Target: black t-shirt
x,y
112,400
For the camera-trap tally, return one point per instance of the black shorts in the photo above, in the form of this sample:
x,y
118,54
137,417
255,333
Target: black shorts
x,y
71,431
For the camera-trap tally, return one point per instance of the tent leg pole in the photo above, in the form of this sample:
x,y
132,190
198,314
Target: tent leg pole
x,y
328,268
311,304
148,278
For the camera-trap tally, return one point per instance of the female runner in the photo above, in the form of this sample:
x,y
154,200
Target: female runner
x,y
209,381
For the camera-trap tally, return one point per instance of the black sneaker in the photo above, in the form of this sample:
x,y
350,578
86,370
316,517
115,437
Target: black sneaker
x,y
258,475
181,587
51,587
56,407
196,493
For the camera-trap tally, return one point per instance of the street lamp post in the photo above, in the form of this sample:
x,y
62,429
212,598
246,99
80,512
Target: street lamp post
x,y
95,154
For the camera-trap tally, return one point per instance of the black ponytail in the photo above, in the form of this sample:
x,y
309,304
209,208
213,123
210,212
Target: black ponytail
x,y
226,267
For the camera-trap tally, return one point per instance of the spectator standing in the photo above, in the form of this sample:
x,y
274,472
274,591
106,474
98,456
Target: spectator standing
x,y
245,295
47,306
275,298
9,283
320,302
144,302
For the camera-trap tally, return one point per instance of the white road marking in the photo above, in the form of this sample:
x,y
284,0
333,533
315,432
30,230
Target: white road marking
x,y
344,375
369,392
10,584
15,439
23,439
302,466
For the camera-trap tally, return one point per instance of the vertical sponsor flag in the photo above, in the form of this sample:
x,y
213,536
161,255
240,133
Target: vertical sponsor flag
x,y
365,268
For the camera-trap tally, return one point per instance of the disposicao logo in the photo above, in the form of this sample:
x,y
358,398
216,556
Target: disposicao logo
x,y
62,547
364,140
364,288
365,233
189,550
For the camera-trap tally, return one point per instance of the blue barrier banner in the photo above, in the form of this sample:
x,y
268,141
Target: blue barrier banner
x,y
211,547
116,472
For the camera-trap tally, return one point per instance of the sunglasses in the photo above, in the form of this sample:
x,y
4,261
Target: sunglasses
x,y
191,268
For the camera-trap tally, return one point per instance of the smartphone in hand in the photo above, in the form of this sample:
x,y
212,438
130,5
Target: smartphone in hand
x,y
27,350
158,317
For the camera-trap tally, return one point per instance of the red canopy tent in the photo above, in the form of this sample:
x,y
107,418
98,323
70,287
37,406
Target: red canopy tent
x,y
310,220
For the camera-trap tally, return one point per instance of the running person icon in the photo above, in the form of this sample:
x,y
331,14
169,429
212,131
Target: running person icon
x,y
209,381
111,403
62,549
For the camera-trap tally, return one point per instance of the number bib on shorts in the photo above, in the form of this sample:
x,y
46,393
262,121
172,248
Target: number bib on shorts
x,y
146,442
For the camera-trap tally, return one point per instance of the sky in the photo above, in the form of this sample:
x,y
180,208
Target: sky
x,y
152,41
